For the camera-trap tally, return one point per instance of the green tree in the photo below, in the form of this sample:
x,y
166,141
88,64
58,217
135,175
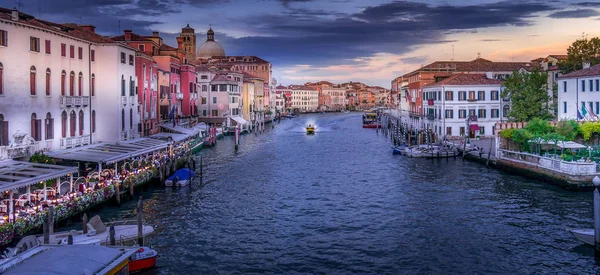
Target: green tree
x,y
569,129
554,105
582,50
528,95
522,137
588,129
538,127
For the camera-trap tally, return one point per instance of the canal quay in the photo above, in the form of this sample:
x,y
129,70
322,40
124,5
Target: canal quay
x,y
339,202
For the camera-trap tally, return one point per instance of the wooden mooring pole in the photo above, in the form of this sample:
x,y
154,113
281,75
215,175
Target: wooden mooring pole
x,y
140,220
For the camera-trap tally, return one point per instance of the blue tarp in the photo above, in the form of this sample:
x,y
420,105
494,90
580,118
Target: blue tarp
x,y
182,174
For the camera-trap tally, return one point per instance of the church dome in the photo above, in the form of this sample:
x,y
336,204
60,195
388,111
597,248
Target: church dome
x,y
211,47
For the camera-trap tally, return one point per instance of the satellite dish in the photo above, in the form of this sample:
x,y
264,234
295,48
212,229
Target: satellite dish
x,y
274,81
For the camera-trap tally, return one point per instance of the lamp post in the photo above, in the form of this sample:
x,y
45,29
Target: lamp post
x,y
596,182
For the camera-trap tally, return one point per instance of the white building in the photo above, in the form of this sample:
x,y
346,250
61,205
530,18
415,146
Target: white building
x,y
304,99
450,102
55,81
334,98
579,89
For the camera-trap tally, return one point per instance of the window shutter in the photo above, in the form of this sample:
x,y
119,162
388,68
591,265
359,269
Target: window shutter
x,y
4,133
38,129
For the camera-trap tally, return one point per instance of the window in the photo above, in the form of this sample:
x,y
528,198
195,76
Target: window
x,y
141,47
93,121
63,124
471,95
494,95
564,107
131,86
36,127
495,113
72,51
597,107
92,55
93,91
583,85
204,88
591,85
222,88
80,52
505,110
471,112
80,122
215,113
123,119
213,88
203,112
122,85
72,123
1,80
462,113
449,95
192,88
72,84
48,47
32,80
130,59
481,113
462,131
204,77
214,99
481,95
34,44
130,118
448,131
63,75
63,50
462,95
48,81
123,58
481,130
564,86
49,126
80,84
3,38
3,131
449,113
591,109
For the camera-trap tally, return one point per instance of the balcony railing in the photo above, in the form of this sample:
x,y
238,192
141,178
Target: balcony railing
x,y
70,142
124,100
472,99
179,95
430,117
68,101
133,133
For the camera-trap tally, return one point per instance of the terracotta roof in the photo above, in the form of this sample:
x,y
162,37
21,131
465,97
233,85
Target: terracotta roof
x,y
250,76
466,79
477,65
239,59
301,87
591,71
134,37
559,56
281,87
165,47
553,68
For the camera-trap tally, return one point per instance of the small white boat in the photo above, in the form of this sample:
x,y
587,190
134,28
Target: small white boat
x,y
182,177
98,233
585,235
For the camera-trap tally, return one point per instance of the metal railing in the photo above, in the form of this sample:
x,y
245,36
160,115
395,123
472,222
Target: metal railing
x,y
71,142
67,101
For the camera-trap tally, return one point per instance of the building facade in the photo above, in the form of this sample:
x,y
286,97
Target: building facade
x,y
579,94
304,99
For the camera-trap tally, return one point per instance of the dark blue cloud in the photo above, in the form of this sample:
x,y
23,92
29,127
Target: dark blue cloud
x,y
579,13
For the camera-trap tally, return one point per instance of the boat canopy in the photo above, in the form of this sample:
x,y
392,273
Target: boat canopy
x,y
182,174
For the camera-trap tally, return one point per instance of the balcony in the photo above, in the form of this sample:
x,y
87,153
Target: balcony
x,y
70,101
430,117
70,142
124,100
179,95
133,133
471,99
505,99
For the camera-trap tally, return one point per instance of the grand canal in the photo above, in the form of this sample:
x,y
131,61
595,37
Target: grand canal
x,y
339,202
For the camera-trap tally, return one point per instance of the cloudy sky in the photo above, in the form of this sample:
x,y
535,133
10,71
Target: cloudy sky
x,y
371,41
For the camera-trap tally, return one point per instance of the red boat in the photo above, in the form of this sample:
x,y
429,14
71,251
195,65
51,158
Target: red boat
x,y
372,126
143,258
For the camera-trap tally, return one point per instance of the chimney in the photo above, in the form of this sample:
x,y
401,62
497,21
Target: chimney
x,y
489,75
127,35
15,15
586,64
155,34
89,28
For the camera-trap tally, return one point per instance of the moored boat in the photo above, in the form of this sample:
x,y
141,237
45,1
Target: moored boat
x,y
399,149
585,235
143,258
182,177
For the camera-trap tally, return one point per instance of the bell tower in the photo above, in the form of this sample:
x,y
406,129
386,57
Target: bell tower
x,y
188,37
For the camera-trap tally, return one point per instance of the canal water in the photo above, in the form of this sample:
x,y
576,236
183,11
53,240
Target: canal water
x,y
339,202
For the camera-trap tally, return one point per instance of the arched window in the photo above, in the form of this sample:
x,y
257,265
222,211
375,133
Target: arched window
x,y
63,76
63,124
131,118
72,123
48,81
81,122
122,85
36,127
1,79
505,111
72,84
93,92
3,131
123,119
192,87
80,84
49,126
93,121
32,80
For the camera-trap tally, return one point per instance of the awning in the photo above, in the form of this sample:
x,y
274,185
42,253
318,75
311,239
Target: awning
x,y
173,136
240,120
110,152
17,174
570,145
178,129
474,127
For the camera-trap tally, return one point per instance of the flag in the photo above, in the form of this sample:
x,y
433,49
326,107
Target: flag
x,y
592,114
583,110
172,112
579,116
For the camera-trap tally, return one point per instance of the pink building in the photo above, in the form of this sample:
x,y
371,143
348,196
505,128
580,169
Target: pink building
x,y
146,72
189,104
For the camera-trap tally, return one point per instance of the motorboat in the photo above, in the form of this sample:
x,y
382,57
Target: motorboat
x,y
126,232
182,177
372,125
399,149
310,130
431,151
585,235
143,258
